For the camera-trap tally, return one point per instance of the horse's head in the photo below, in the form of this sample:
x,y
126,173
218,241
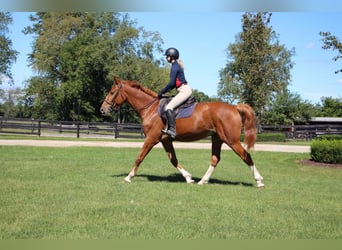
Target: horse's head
x,y
113,99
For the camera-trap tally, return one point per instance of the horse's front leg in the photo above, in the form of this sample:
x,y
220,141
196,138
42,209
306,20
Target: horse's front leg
x,y
216,145
147,146
168,146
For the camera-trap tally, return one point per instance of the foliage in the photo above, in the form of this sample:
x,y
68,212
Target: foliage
x,y
259,67
76,56
271,137
327,151
332,42
78,193
11,102
7,54
200,96
330,137
268,137
229,87
331,107
288,109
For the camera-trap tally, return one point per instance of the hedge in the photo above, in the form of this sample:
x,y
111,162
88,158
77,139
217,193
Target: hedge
x,y
327,151
276,137
331,137
268,137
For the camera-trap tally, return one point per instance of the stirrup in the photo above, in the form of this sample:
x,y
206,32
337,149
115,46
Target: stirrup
x,y
171,133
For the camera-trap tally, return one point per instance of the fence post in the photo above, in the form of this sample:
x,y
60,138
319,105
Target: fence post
x,y
39,128
116,131
78,129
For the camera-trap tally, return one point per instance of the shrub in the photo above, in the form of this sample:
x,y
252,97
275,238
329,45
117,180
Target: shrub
x,y
330,137
277,137
327,151
268,137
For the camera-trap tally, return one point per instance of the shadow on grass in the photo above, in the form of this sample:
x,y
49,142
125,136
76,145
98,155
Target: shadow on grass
x,y
179,178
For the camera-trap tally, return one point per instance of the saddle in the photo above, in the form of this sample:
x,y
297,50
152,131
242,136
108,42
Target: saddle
x,y
182,111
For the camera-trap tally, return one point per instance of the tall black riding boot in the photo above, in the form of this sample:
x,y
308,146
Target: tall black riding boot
x,y
171,128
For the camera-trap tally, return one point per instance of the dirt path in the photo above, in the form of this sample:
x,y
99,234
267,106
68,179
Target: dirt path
x,y
114,144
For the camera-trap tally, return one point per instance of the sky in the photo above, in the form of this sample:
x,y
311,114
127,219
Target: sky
x,y
203,37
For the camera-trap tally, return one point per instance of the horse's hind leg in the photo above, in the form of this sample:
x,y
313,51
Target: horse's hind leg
x,y
168,146
215,158
246,157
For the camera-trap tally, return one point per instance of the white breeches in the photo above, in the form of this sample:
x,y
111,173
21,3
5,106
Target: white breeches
x,y
184,92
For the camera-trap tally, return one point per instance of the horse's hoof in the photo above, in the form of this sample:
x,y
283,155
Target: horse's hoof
x,y
202,182
127,180
260,185
189,180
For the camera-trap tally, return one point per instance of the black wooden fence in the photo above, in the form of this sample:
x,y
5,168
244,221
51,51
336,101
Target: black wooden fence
x,y
73,129
132,130
304,132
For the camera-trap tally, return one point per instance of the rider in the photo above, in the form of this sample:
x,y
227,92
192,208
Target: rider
x,y
177,80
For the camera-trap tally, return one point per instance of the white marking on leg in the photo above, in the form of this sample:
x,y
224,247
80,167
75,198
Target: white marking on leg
x,y
256,173
206,176
186,175
257,176
129,177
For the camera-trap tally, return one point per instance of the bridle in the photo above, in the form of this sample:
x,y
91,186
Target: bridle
x,y
115,95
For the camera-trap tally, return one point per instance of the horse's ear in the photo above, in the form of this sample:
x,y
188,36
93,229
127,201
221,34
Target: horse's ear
x,y
117,80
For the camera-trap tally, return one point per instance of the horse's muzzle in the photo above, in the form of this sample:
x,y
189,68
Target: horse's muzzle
x,y
106,111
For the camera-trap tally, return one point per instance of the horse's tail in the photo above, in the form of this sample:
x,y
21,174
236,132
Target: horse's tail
x,y
249,124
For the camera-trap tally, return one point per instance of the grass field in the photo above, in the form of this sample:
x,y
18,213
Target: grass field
x,y
78,193
68,138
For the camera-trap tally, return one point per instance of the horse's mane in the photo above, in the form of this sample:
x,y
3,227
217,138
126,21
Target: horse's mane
x,y
137,85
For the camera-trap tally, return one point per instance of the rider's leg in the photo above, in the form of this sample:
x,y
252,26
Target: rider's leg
x,y
184,92
171,127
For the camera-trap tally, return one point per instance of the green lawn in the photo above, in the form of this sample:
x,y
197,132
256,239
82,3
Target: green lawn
x,y
78,193
71,138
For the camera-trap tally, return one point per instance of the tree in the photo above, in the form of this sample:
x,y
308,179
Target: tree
x,y
10,102
200,96
331,107
258,67
288,109
229,87
7,55
76,56
332,42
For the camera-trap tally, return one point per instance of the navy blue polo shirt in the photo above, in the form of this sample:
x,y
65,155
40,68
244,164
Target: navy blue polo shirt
x,y
177,78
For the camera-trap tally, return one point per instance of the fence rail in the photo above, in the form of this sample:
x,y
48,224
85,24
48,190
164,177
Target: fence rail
x,y
306,132
74,129
132,130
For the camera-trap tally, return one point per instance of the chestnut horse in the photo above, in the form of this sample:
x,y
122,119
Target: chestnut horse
x,y
220,120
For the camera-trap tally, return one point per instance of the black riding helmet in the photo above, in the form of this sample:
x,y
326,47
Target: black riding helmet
x,y
173,53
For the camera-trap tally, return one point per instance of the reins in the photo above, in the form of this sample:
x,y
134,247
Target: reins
x,y
147,105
